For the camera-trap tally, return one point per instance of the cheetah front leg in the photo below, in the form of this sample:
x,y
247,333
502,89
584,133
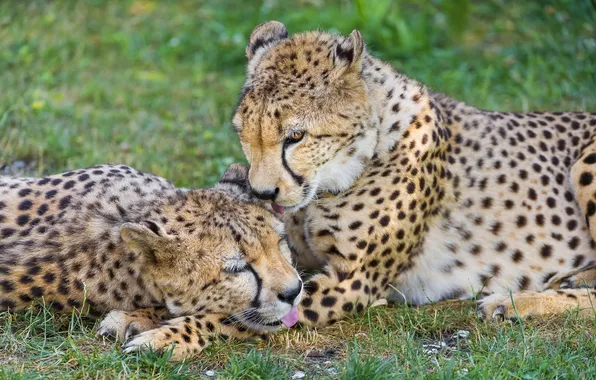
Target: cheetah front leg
x,y
579,293
331,296
533,304
187,336
122,325
301,254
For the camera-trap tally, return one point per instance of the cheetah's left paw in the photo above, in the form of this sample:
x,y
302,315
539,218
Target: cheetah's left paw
x,y
167,338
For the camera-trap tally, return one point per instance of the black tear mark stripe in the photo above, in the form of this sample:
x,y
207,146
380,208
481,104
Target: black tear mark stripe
x,y
255,302
298,178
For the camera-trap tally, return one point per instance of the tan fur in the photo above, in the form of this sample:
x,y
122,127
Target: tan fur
x,y
398,192
111,237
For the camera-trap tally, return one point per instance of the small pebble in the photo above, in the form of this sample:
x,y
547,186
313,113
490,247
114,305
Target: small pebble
x,y
210,373
298,375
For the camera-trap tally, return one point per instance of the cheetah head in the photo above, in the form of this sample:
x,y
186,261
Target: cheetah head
x,y
304,117
219,251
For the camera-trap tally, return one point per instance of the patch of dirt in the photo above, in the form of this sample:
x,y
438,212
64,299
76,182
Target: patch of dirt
x,y
321,356
457,341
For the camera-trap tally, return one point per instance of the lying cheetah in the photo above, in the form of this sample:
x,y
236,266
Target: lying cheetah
x,y
395,192
111,237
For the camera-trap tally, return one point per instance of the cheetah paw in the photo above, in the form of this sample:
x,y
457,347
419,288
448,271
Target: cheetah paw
x,y
121,326
163,339
379,302
497,308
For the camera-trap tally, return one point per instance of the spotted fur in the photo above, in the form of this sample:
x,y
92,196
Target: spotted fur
x,y
394,191
111,237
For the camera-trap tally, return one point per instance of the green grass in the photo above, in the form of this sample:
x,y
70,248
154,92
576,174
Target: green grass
x,y
153,84
384,343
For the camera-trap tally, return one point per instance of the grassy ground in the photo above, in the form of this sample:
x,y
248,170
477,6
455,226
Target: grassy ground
x,y
152,84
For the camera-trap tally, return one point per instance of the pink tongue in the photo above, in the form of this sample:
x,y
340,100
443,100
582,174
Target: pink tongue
x,y
292,317
277,208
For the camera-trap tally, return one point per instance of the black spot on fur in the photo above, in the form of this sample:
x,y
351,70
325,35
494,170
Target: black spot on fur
x,y
64,202
50,194
25,205
312,316
586,179
42,209
24,192
590,159
22,219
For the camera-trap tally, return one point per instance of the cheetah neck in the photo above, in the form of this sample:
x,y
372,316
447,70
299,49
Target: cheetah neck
x,y
406,125
411,131
400,104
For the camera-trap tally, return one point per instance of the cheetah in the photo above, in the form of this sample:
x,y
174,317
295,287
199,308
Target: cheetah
x,y
393,192
174,268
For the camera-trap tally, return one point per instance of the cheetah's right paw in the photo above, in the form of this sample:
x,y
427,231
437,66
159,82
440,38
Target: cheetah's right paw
x,y
123,325
166,338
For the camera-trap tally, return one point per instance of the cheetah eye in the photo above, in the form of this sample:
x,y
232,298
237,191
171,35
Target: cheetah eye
x,y
294,137
235,265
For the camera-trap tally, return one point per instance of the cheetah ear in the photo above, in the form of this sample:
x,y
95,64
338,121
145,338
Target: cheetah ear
x,y
145,238
235,182
264,35
348,53
236,175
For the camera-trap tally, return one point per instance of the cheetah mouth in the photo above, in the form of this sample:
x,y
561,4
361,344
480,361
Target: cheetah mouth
x,y
279,209
308,194
291,318
256,321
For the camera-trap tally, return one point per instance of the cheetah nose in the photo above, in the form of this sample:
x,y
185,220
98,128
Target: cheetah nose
x,y
290,295
267,195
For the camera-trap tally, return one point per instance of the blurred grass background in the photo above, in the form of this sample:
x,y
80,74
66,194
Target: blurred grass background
x,y
153,84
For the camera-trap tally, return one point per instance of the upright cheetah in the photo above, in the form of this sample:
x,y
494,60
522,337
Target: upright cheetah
x,y
395,192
